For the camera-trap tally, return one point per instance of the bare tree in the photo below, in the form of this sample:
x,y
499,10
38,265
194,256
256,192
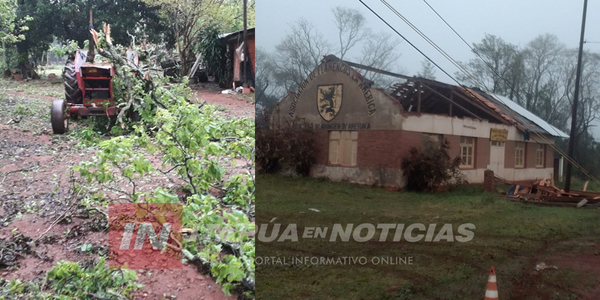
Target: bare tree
x,y
351,25
498,60
378,52
304,47
589,98
427,70
266,83
541,56
298,54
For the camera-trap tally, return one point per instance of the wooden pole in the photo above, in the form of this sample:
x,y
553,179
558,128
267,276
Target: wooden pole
x,y
245,48
91,46
575,100
420,90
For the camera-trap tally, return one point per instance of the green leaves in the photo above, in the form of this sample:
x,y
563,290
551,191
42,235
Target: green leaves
x,y
70,279
12,27
86,247
197,144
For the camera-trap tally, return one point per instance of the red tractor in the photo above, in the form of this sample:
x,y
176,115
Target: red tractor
x,y
88,92
88,88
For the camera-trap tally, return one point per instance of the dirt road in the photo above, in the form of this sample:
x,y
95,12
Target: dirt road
x,y
36,186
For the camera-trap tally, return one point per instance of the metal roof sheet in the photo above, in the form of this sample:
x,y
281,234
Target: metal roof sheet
x,y
530,116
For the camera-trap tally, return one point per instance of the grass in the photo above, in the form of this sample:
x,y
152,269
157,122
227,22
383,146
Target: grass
x,y
577,184
33,88
510,236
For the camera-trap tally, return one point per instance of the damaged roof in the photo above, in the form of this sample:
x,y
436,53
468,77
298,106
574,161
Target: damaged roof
x,y
508,106
494,108
421,95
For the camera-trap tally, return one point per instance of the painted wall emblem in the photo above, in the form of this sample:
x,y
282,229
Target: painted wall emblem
x,y
329,101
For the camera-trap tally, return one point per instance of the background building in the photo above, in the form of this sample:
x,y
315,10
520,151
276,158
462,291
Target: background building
x,y
363,133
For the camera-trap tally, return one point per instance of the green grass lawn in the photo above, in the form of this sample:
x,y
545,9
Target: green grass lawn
x,y
510,236
577,184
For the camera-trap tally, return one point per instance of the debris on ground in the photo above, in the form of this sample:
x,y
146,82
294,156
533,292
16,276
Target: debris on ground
x,y
544,192
543,266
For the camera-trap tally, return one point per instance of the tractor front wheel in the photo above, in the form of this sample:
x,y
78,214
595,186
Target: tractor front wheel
x,y
58,116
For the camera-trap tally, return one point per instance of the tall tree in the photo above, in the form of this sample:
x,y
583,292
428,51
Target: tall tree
x,y
186,19
298,54
498,60
303,48
12,29
541,56
378,52
541,77
69,20
351,25
427,70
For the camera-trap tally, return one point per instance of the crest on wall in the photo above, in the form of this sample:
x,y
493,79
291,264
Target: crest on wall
x,y
329,101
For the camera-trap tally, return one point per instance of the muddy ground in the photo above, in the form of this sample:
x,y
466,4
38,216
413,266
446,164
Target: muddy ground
x,y
36,187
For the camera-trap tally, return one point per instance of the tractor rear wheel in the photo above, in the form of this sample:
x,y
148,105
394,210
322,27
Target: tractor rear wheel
x,y
72,91
58,116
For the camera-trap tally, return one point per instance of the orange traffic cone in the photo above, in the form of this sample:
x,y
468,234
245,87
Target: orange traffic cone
x,y
491,292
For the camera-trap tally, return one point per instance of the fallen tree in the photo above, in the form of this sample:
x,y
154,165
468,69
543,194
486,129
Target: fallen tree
x,y
194,142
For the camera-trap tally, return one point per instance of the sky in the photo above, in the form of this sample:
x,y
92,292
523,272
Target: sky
x,y
515,21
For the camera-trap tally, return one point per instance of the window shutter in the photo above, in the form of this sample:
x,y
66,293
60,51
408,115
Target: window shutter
x,y
354,152
333,152
334,147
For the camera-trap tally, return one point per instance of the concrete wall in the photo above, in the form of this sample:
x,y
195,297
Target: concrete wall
x,y
370,176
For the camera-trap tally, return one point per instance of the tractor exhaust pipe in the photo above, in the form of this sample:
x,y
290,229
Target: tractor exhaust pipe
x,y
91,46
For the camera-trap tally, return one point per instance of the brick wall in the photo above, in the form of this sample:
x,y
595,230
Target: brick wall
x,y
509,154
374,148
322,147
482,153
454,141
385,148
549,156
530,155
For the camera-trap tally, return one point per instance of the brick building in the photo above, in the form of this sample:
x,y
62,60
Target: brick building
x,y
363,133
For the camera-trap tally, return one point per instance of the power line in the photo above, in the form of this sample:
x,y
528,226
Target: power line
x,y
449,26
406,40
432,43
477,53
560,151
460,68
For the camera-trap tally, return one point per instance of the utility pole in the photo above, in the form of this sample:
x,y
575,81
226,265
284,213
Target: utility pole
x,y
245,48
575,100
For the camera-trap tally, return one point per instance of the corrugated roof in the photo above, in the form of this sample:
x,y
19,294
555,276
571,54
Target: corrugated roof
x,y
250,31
516,114
530,116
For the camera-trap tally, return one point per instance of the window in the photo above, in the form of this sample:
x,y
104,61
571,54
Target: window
x,y
519,155
497,143
467,150
539,155
343,147
431,140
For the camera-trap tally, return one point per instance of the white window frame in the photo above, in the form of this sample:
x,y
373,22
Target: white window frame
x,y
520,149
467,158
